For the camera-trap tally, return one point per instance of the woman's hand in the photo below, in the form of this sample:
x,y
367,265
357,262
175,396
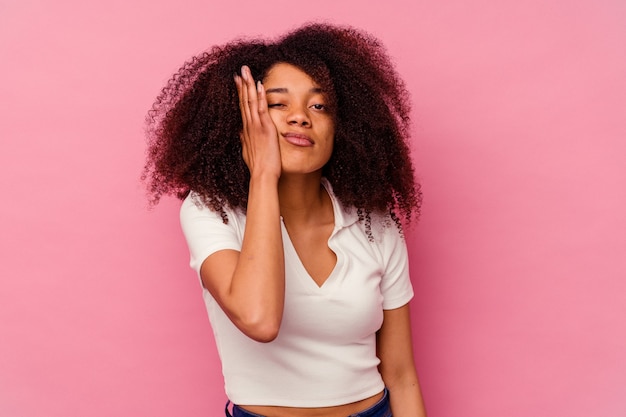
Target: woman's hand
x,y
249,285
259,137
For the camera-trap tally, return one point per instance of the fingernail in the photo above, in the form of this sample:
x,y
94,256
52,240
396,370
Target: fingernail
x,y
259,86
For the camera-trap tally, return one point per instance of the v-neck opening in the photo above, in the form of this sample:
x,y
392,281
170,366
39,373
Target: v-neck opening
x,y
302,271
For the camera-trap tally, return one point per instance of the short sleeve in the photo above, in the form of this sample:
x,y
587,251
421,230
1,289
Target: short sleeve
x,y
395,285
206,232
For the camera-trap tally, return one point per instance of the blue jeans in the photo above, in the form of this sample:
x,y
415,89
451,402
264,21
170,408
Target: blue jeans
x,y
381,409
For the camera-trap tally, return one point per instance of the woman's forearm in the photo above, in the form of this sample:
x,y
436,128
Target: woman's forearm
x,y
258,281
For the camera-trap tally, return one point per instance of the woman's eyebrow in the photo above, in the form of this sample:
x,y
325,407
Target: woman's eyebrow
x,y
284,90
276,90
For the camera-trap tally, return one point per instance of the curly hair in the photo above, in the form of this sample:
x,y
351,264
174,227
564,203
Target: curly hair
x,y
194,124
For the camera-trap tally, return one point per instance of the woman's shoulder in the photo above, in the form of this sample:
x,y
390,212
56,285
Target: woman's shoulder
x,y
195,207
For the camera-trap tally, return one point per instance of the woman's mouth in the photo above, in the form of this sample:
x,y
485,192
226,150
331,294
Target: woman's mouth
x,y
298,139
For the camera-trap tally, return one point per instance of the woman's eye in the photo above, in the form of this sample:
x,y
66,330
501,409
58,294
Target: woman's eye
x,y
319,107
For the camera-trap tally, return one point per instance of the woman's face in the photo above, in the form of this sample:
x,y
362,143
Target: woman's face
x,y
305,125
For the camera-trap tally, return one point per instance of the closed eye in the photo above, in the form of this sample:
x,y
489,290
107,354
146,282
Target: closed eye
x,y
275,105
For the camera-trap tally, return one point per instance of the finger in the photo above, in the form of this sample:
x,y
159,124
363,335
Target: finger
x,y
252,96
243,135
238,82
262,100
245,107
264,115
239,85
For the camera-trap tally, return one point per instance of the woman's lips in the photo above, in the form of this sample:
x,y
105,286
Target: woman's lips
x,y
298,139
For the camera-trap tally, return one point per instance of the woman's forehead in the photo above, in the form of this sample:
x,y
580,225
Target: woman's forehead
x,y
283,76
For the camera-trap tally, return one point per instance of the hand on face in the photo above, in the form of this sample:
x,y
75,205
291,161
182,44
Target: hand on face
x,y
259,137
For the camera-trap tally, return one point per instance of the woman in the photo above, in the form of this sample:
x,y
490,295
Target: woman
x,y
292,160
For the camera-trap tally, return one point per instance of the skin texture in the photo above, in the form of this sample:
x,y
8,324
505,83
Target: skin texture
x,y
297,104
292,129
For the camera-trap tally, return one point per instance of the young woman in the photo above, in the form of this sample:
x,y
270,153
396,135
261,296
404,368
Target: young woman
x,y
292,160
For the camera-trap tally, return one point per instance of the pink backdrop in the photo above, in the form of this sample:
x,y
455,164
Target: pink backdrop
x,y
519,262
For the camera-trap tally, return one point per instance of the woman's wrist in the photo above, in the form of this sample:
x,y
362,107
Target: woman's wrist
x,y
264,179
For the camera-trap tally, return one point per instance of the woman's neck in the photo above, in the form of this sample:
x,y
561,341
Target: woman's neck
x,y
303,200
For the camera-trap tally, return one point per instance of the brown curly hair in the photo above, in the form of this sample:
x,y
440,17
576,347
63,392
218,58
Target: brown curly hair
x,y
194,124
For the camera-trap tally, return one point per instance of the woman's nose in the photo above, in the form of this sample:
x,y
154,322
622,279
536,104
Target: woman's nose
x,y
298,116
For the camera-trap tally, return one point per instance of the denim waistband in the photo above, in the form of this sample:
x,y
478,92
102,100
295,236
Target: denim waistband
x,y
380,409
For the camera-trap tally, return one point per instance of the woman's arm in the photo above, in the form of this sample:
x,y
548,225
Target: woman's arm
x,y
250,285
395,350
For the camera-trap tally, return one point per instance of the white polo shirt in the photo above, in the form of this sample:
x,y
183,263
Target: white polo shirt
x,y
325,352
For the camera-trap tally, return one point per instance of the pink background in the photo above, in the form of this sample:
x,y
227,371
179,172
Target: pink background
x,y
519,263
